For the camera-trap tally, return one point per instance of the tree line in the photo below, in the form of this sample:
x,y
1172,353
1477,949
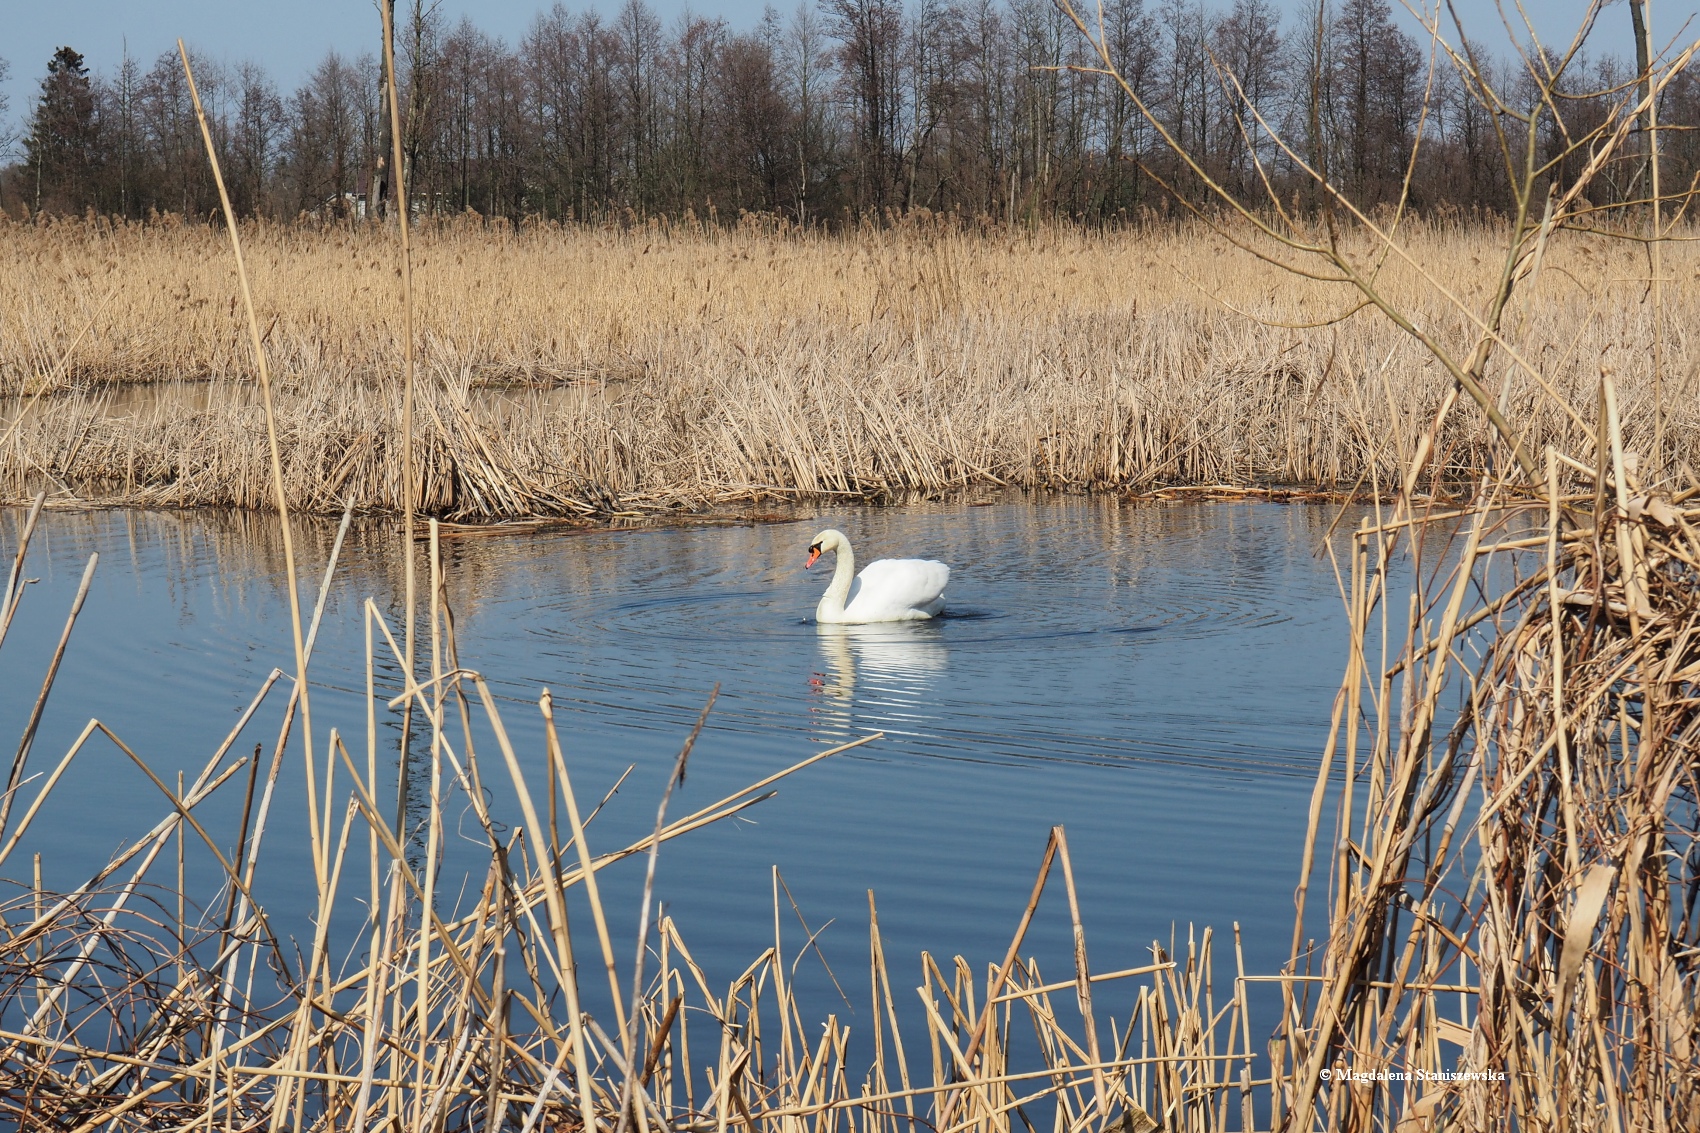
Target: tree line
x,y
843,109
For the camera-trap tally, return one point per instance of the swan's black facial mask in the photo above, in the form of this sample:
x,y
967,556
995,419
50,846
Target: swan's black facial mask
x,y
814,553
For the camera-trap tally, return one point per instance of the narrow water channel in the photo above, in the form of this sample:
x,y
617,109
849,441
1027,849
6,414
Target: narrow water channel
x,y
1157,679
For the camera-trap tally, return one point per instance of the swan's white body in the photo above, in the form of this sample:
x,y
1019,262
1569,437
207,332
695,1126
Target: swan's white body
x,y
890,590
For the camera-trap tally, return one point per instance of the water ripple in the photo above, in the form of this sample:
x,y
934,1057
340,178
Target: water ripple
x,y
1156,677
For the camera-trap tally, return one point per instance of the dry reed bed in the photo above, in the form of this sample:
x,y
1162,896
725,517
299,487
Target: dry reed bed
x,y
1513,864
691,366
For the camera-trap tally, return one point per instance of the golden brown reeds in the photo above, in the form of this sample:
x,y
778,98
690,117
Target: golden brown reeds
x,y
588,371
1515,852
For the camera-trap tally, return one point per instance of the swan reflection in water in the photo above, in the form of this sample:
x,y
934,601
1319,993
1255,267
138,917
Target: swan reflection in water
x,y
878,678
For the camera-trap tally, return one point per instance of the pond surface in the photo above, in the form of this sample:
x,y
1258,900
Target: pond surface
x,y
1157,679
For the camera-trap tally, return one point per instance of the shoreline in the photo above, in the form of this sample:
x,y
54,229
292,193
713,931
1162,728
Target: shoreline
x,y
745,513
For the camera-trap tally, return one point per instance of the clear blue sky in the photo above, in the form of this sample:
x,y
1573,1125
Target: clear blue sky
x,y
289,38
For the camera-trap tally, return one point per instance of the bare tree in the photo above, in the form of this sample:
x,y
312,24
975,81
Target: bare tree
x,y
690,67
258,128
324,151
865,108
1378,69
1131,36
7,138
167,118
870,57
757,165
1038,51
1247,44
420,51
568,61
124,145
637,64
806,70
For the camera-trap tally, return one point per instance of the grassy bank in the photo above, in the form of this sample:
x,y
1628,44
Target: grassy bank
x,y
588,372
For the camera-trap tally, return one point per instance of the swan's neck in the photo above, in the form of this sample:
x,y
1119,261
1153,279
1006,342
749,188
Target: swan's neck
x,y
832,602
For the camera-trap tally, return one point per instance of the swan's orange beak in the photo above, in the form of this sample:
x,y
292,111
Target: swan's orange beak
x,y
814,553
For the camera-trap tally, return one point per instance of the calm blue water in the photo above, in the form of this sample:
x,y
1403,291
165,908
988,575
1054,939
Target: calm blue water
x,y
1157,679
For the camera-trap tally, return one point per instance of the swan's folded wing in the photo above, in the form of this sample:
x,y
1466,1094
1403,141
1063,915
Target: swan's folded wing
x,y
908,584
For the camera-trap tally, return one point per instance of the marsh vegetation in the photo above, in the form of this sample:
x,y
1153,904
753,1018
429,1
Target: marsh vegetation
x,y
573,371
1502,848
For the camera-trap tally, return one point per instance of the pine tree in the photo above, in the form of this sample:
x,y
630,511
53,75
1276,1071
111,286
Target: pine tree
x,y
61,146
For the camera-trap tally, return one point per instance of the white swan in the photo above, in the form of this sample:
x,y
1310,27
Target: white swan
x,y
890,590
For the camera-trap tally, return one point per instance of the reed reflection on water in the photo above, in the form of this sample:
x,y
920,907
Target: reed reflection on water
x,y
1156,678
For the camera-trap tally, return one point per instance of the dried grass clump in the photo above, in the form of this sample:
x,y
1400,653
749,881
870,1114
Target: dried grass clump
x,y
1513,889
587,371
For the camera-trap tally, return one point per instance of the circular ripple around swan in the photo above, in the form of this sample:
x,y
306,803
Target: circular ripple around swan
x,y
1106,593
